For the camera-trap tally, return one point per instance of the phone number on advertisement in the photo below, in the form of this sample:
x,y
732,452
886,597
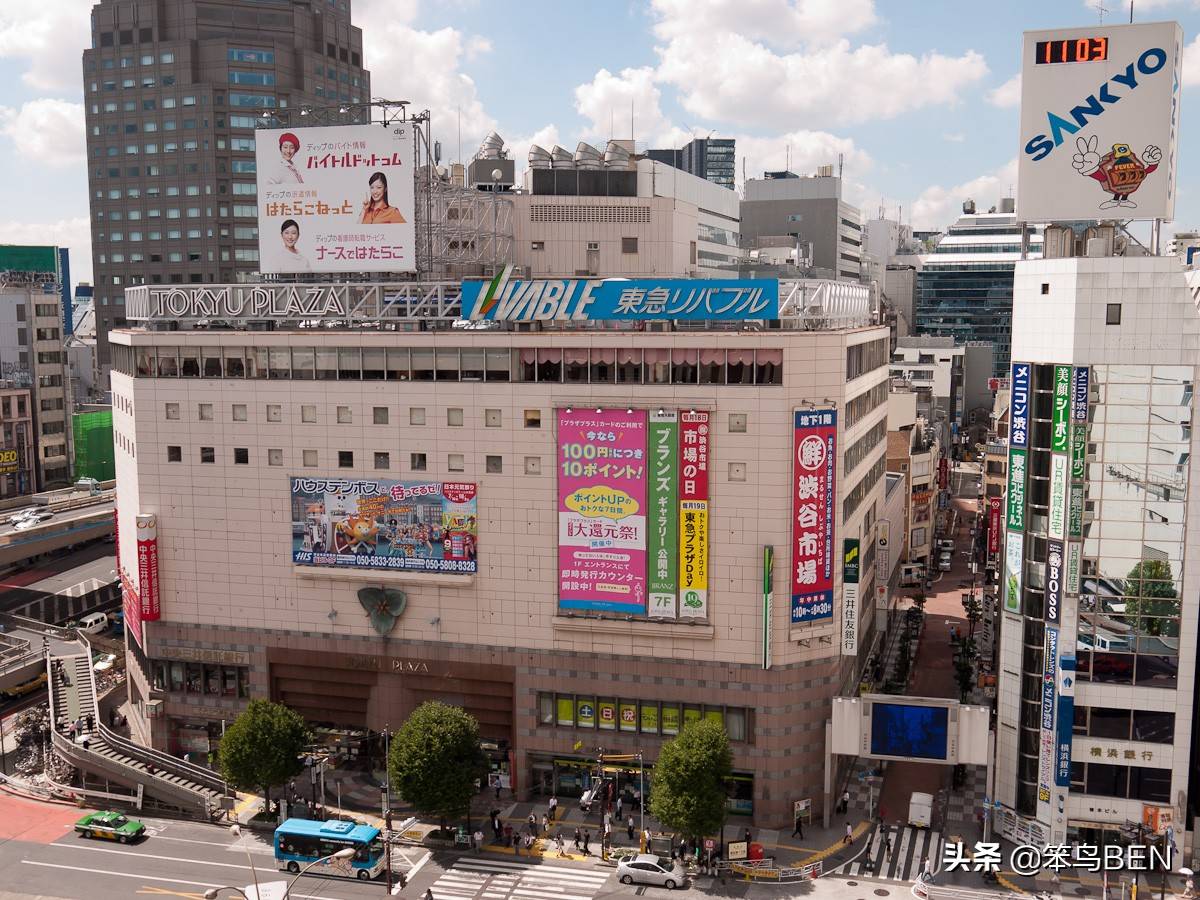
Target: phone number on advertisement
x,y
376,562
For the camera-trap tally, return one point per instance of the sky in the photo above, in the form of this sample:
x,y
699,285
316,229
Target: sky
x,y
918,98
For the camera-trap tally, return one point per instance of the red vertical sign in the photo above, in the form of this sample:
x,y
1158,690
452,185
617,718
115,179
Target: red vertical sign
x,y
814,493
132,605
994,505
693,444
943,473
147,561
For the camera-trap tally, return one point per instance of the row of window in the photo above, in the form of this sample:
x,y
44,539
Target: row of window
x,y
571,366
644,716
1144,725
861,449
124,37
200,678
493,464
864,358
1125,782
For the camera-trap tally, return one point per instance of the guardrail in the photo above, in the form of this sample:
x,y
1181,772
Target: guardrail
x,y
754,870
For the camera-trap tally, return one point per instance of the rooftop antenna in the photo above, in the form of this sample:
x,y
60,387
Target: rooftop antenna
x,y
1130,12
840,158
612,126
788,159
460,156
1101,10
632,132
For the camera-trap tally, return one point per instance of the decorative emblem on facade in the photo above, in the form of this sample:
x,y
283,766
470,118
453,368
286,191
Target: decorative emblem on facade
x,y
383,606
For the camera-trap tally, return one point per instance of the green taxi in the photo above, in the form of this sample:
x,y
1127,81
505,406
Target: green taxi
x,y
112,826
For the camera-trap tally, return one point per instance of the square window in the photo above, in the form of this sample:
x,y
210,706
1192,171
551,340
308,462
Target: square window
x,y
308,414
241,456
454,416
380,415
1045,287
629,245
345,459
494,465
417,462
383,461
172,411
239,412
208,455
737,471
533,465
593,245
416,415
205,412
737,423
344,416
1113,315
274,457
533,418
537,245
492,418
174,453
456,462
309,459
274,412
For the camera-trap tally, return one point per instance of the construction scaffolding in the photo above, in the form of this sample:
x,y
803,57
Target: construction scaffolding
x,y
94,455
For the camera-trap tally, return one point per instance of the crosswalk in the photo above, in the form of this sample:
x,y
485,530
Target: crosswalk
x,y
485,879
910,847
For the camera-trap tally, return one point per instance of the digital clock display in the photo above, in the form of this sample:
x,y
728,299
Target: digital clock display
x,y
1068,51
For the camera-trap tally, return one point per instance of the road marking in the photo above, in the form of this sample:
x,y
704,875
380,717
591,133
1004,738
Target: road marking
x,y
203,884
241,846
480,879
180,859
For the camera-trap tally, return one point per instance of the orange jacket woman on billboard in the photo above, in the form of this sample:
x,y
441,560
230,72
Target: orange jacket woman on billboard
x,y
376,210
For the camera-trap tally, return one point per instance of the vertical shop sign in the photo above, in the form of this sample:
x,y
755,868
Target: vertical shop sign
x,y
1079,394
1054,579
1014,550
768,588
1018,432
994,528
602,510
1049,675
1075,512
1016,489
1066,721
1060,414
851,563
147,562
693,515
1057,512
1078,451
814,468
1074,564
663,537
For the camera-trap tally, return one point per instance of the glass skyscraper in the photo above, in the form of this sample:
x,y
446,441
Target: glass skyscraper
x,y
965,287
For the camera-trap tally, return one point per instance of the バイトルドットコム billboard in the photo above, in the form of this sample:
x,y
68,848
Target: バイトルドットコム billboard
x,y
336,199
1099,123
424,526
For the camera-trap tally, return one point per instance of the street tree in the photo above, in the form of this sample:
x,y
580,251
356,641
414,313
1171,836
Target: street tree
x,y
435,760
263,748
1150,594
689,780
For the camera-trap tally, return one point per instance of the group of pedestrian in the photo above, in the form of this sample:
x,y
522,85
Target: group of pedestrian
x,y
583,840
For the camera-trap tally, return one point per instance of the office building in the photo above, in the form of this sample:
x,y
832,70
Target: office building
x,y
713,159
173,92
1098,650
964,287
220,434
613,214
18,462
914,452
951,382
809,212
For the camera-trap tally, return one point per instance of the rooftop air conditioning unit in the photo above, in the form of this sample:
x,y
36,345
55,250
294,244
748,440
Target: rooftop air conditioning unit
x,y
588,157
616,156
539,157
561,158
492,147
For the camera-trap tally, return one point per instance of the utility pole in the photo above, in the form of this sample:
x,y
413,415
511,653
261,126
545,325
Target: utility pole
x,y
387,849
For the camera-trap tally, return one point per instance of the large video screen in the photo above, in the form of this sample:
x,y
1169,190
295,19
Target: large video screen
x,y
912,731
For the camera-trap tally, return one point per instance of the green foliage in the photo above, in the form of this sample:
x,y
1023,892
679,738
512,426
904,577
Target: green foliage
x,y
689,780
435,760
263,747
1150,591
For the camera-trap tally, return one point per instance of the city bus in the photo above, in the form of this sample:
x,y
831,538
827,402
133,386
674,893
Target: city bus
x,y
300,842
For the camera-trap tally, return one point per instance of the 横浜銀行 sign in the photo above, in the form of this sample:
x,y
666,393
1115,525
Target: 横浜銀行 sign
x,y
507,299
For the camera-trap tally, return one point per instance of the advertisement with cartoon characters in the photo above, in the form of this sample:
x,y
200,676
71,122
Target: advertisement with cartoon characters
x,y
1099,123
428,526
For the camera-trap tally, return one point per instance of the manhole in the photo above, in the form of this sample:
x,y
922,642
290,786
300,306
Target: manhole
x,y
851,884
880,892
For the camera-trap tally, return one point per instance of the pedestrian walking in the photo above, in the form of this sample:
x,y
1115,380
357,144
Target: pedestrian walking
x,y
927,869
508,835
849,834
428,893
545,824
517,845
620,805
747,839
887,841
478,836
629,827
532,823
91,722
71,731
637,798
845,802
578,838
587,842
798,831
558,843
553,808
497,787
607,818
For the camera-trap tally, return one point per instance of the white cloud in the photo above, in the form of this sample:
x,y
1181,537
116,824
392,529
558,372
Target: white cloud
x,y
1008,94
614,104
725,76
49,36
802,151
785,21
954,137
1191,62
938,207
46,131
74,233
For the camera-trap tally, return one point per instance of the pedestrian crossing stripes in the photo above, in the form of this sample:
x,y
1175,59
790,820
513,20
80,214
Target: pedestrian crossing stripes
x,y
485,879
897,853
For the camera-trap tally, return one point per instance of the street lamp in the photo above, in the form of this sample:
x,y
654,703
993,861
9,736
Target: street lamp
x,y
344,853
497,174
236,830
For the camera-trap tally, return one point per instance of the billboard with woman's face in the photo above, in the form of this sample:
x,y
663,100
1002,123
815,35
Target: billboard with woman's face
x,y
336,199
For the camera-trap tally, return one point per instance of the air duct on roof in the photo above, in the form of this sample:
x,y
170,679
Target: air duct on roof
x,y
616,156
587,156
539,157
561,158
491,148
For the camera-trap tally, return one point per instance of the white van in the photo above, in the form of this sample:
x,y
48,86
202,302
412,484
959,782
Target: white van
x,y
911,574
93,623
920,810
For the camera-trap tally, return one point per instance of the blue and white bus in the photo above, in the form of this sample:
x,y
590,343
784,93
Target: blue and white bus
x,y
300,842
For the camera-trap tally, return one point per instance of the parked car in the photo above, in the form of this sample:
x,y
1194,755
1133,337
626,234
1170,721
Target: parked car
x,y
647,868
945,561
946,546
920,809
94,623
25,687
112,826
104,662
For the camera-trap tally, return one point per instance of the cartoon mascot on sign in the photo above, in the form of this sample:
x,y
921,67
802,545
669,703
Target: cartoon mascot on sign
x,y
1119,171
356,534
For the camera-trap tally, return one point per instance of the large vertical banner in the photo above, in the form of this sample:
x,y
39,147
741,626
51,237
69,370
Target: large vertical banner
x,y
1018,446
851,562
1066,721
693,515
1014,550
663,512
602,510
1018,429
1055,562
1047,754
147,561
814,492
336,199
994,528
1060,414
768,595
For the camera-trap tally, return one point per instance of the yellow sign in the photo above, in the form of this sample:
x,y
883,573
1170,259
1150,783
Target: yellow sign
x,y
8,462
600,502
693,559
